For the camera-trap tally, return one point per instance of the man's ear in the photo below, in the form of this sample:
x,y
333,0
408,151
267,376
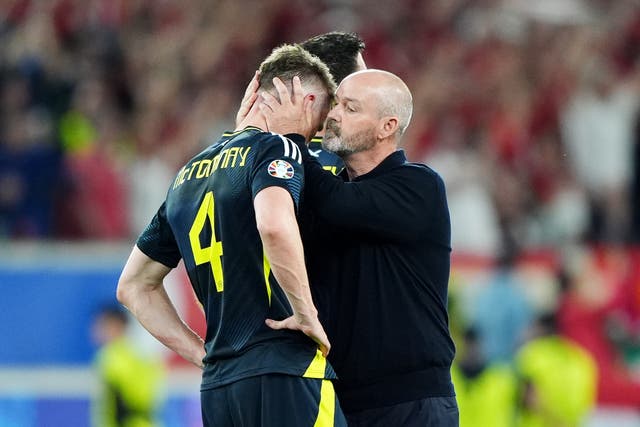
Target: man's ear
x,y
388,126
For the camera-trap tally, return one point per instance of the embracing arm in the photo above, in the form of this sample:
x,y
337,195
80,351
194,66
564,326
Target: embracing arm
x,y
278,228
402,204
141,290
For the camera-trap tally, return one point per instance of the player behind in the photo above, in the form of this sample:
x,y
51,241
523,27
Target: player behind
x,y
230,215
342,52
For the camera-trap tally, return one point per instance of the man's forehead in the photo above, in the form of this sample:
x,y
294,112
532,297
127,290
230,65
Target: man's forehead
x,y
348,98
352,89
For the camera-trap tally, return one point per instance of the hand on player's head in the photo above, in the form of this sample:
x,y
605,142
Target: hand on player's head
x,y
292,113
249,99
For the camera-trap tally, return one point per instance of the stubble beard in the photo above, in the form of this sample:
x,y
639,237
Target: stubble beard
x,y
334,142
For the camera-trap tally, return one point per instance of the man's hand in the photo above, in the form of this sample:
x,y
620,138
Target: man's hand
x,y
249,98
311,327
293,114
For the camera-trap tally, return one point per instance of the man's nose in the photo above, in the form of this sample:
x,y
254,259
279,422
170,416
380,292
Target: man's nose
x,y
334,113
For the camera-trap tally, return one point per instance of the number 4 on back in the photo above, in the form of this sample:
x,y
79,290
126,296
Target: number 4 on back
x,y
213,252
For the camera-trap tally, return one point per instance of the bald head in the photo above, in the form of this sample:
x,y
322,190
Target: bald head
x,y
372,110
387,91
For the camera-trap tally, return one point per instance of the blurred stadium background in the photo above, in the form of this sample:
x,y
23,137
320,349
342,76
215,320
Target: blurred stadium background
x,y
528,109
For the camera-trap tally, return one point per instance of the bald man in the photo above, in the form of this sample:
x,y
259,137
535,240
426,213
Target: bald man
x,y
382,290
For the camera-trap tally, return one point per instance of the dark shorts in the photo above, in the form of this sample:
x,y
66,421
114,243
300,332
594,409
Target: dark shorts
x,y
430,412
272,400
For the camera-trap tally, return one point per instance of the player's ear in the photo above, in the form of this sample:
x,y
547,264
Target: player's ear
x,y
309,101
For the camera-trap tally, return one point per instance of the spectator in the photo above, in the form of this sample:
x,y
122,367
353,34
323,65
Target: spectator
x,y
486,392
466,172
131,381
94,203
30,166
595,293
598,124
562,205
558,378
502,312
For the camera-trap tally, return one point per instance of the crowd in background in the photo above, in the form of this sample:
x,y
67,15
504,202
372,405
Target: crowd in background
x,y
529,111
548,339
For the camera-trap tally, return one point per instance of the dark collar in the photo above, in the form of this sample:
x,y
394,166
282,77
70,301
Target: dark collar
x,y
227,134
392,161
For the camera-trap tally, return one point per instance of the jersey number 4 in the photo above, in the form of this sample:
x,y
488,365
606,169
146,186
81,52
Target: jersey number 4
x,y
212,253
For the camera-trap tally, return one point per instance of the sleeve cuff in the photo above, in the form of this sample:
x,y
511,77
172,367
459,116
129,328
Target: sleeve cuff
x,y
163,259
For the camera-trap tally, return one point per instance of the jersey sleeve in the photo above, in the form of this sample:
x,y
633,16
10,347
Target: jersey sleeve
x,y
278,164
158,242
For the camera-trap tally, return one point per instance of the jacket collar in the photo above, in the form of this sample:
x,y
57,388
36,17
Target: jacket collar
x,y
392,161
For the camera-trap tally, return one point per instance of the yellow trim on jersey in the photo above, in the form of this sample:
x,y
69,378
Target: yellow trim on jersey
x,y
317,139
317,366
236,132
327,405
266,267
332,169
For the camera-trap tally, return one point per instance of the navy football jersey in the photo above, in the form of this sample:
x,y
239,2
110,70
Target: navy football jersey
x,y
208,220
327,159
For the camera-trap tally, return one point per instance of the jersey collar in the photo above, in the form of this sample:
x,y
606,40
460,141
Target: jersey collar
x,y
392,161
227,134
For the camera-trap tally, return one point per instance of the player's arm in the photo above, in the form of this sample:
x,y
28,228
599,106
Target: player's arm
x,y
141,290
278,228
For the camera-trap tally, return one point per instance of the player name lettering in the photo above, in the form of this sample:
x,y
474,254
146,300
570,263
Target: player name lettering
x,y
198,169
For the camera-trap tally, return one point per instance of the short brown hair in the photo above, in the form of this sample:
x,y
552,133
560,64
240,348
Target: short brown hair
x,y
287,61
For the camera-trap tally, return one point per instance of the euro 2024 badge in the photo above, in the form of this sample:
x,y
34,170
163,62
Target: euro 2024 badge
x,y
281,169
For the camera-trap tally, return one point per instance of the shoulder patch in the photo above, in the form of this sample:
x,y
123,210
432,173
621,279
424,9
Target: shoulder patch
x,y
280,169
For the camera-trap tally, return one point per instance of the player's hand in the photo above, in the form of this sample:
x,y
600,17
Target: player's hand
x,y
249,98
198,357
292,114
311,328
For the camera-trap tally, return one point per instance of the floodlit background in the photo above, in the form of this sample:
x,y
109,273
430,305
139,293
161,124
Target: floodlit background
x,y
528,109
